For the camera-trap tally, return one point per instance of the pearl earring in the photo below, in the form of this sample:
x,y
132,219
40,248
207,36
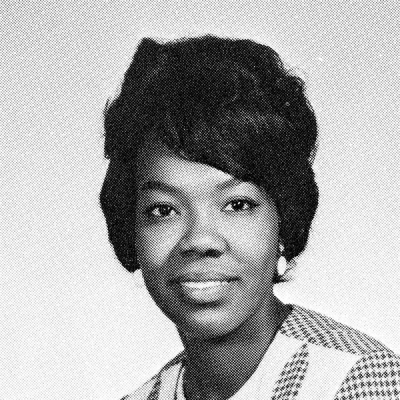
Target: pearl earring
x,y
282,264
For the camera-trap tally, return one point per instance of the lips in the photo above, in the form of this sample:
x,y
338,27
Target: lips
x,y
203,276
205,286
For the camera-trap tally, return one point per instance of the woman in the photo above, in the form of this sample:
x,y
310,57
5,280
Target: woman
x,y
210,192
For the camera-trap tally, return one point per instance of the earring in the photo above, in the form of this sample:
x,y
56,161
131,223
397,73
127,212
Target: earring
x,y
282,263
138,280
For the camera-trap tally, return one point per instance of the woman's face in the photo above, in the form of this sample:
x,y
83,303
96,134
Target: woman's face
x,y
206,243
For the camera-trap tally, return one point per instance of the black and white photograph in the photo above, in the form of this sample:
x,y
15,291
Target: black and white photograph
x,y
200,200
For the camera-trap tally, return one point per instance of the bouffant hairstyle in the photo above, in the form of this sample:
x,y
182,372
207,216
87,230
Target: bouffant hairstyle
x,y
227,103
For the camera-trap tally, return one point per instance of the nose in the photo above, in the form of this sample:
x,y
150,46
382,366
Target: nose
x,y
202,239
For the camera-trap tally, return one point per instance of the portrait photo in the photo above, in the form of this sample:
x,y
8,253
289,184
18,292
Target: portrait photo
x,y
200,200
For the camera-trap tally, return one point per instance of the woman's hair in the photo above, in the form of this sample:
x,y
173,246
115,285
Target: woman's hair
x,y
227,103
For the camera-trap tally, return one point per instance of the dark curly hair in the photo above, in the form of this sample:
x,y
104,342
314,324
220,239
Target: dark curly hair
x,y
227,103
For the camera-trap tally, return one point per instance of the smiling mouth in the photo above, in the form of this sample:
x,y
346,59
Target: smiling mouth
x,y
211,278
206,287
201,285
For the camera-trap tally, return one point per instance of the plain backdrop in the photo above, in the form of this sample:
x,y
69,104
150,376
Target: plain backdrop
x,y
73,323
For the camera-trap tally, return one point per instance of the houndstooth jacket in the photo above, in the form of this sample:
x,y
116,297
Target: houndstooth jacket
x,y
312,357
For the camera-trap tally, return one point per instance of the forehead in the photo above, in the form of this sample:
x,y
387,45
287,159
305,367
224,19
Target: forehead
x,y
156,162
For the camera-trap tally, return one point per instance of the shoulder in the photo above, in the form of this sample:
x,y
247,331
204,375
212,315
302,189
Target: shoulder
x,y
322,331
374,375
362,366
150,390
143,392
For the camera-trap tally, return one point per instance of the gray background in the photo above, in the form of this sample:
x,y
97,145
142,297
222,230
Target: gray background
x,y
73,323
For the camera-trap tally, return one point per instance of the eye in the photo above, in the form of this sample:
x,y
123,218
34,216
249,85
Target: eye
x,y
240,205
160,211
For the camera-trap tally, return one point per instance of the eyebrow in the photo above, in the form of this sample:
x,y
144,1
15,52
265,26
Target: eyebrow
x,y
160,185
229,183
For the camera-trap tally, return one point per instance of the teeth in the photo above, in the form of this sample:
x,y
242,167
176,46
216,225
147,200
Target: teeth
x,y
204,285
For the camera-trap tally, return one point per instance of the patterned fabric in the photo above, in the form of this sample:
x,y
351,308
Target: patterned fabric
x,y
290,380
375,376
156,379
155,389
318,329
373,372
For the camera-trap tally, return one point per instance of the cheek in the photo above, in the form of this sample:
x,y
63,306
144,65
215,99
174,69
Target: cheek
x,y
155,244
255,241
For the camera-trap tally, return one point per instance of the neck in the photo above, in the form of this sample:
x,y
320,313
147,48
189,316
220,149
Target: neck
x,y
217,368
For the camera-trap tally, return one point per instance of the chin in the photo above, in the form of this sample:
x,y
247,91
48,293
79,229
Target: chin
x,y
208,324
205,332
